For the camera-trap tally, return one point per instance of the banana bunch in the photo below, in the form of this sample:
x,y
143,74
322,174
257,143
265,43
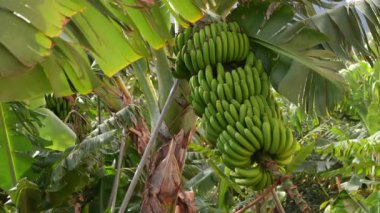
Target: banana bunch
x,y
231,92
59,105
215,43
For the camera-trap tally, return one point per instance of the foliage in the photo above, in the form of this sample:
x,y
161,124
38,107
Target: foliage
x,y
72,48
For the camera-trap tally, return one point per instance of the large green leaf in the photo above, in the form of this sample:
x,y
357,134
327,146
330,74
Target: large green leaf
x,y
300,69
150,21
15,148
38,45
36,21
349,28
54,130
26,195
30,84
110,47
186,9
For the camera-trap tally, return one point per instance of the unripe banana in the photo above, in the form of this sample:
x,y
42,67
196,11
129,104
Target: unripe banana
x,y
267,135
229,79
206,96
243,112
215,124
212,51
196,40
207,30
193,56
188,63
235,103
241,47
238,93
246,45
206,53
251,138
180,41
219,49
234,145
256,79
228,92
221,120
255,105
265,85
275,136
220,73
223,36
202,36
229,118
231,47
235,77
228,149
282,137
228,160
250,61
244,89
200,62
240,139
264,180
236,46
234,112
214,30
284,161
214,86
209,74
220,91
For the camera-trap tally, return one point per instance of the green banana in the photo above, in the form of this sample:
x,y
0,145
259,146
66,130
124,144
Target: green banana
x,y
229,118
202,36
256,79
275,143
234,112
193,56
242,112
250,61
223,36
212,51
238,93
267,135
227,149
236,46
245,89
265,85
228,92
196,40
235,145
207,30
200,62
220,92
214,30
231,48
220,73
209,74
229,79
188,63
206,54
254,141
219,49
233,162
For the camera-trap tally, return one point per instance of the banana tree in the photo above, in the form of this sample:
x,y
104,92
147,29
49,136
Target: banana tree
x,y
66,36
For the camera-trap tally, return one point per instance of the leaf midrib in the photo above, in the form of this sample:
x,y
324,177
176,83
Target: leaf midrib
x,y
10,160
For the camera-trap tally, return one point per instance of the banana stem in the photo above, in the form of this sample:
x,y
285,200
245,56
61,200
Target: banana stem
x,y
148,148
258,199
279,206
112,200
